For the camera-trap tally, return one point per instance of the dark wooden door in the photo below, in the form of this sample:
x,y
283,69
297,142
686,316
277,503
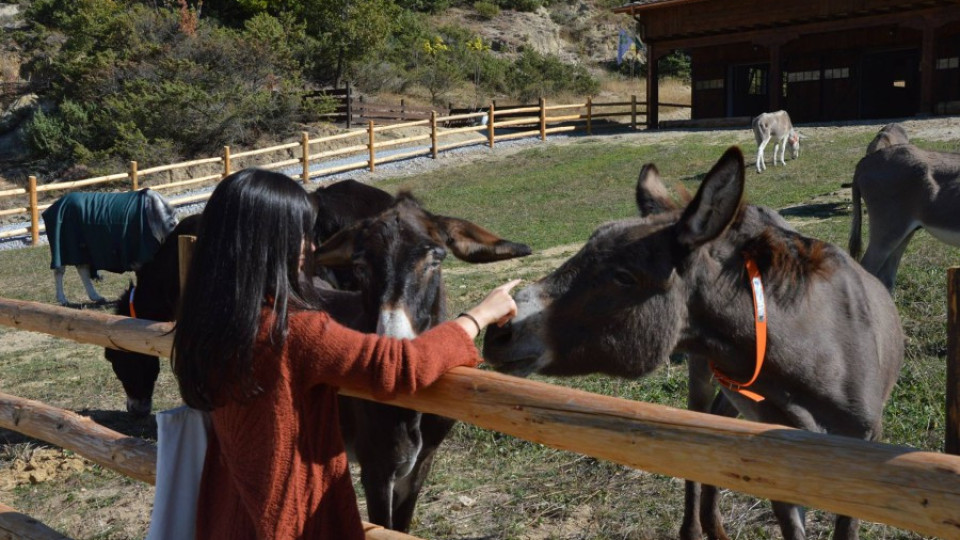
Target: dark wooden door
x,y
748,87
890,84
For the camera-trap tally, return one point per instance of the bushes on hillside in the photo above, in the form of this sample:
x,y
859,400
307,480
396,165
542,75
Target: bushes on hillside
x,y
125,76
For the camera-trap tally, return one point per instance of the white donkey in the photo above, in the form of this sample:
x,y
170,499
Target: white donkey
x,y
776,126
116,232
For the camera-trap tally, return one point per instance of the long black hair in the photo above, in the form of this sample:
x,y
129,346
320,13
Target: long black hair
x,y
246,257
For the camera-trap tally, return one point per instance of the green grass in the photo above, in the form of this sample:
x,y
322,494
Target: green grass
x,y
490,485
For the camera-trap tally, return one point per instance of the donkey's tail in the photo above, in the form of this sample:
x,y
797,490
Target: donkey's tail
x,y
855,244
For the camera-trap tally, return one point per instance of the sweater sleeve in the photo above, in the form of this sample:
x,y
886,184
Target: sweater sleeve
x,y
328,353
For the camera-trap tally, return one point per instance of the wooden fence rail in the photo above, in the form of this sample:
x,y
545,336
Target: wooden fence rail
x,y
130,456
506,123
899,486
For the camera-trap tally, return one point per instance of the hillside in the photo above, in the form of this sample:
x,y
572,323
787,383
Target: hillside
x,y
243,87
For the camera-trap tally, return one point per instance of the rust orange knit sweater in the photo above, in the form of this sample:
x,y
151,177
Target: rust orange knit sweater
x,y
276,467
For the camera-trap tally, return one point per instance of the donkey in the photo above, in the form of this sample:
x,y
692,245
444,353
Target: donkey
x,y
683,280
776,126
116,232
905,189
154,297
396,259
889,135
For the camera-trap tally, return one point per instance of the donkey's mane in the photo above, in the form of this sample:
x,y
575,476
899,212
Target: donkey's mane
x,y
788,261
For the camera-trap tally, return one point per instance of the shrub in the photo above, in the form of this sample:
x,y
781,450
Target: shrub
x,y
486,10
534,75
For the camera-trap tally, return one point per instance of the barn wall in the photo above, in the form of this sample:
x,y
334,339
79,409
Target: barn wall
x,y
832,59
852,74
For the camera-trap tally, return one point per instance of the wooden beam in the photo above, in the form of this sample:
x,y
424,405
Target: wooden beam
x,y
17,526
896,485
132,456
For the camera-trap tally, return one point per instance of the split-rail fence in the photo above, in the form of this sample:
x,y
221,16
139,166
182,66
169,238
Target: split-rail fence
x,y
317,157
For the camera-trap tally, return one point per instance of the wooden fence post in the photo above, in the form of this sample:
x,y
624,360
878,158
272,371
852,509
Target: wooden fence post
x,y
349,105
951,443
589,116
226,161
370,144
185,245
134,179
433,134
305,155
34,211
633,111
490,121
543,119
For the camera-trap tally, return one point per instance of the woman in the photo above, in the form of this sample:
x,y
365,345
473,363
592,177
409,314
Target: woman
x,y
267,364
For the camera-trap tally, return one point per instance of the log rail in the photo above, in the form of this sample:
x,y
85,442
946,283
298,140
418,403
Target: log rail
x,y
896,485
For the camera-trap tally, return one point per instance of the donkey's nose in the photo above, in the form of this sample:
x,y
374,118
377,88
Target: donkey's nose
x,y
497,336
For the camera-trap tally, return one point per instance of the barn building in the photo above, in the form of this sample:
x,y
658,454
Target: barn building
x,y
821,60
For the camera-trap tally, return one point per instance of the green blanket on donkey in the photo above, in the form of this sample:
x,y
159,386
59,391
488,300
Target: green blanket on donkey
x,y
107,231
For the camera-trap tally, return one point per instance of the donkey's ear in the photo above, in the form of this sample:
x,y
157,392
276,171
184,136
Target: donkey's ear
x,y
472,243
337,250
652,196
716,204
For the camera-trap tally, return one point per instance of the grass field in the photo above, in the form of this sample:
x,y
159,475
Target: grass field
x,y
485,484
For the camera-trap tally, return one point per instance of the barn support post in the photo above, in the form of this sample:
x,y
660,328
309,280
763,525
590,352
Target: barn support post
x,y
543,119
134,178
371,145
653,87
433,134
490,120
775,80
633,111
226,161
34,211
951,443
305,155
589,115
927,65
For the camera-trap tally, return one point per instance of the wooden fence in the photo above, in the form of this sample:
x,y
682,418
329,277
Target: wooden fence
x,y
899,486
313,156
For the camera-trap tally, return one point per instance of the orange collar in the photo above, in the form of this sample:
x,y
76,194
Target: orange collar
x,y
133,311
760,323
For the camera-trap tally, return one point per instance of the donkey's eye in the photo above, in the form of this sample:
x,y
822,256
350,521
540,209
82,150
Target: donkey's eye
x,y
622,277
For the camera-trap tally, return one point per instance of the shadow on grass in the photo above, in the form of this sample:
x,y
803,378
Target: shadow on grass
x,y
817,210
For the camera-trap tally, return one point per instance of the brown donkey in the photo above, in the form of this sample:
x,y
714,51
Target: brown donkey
x,y
683,280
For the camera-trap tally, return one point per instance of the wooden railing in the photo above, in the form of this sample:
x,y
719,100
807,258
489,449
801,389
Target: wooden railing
x,y
492,126
896,485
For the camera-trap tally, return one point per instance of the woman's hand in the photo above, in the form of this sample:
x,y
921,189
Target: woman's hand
x,y
498,307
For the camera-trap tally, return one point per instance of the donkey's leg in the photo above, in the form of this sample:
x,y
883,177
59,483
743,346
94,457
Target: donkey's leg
x,y
709,497
888,271
846,528
58,280
761,163
887,237
92,293
700,513
433,429
791,520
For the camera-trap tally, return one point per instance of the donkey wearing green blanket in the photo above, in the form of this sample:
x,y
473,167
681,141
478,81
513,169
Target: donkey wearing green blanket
x,y
116,232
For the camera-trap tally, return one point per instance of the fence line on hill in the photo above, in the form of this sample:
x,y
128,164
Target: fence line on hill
x,y
896,485
513,122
